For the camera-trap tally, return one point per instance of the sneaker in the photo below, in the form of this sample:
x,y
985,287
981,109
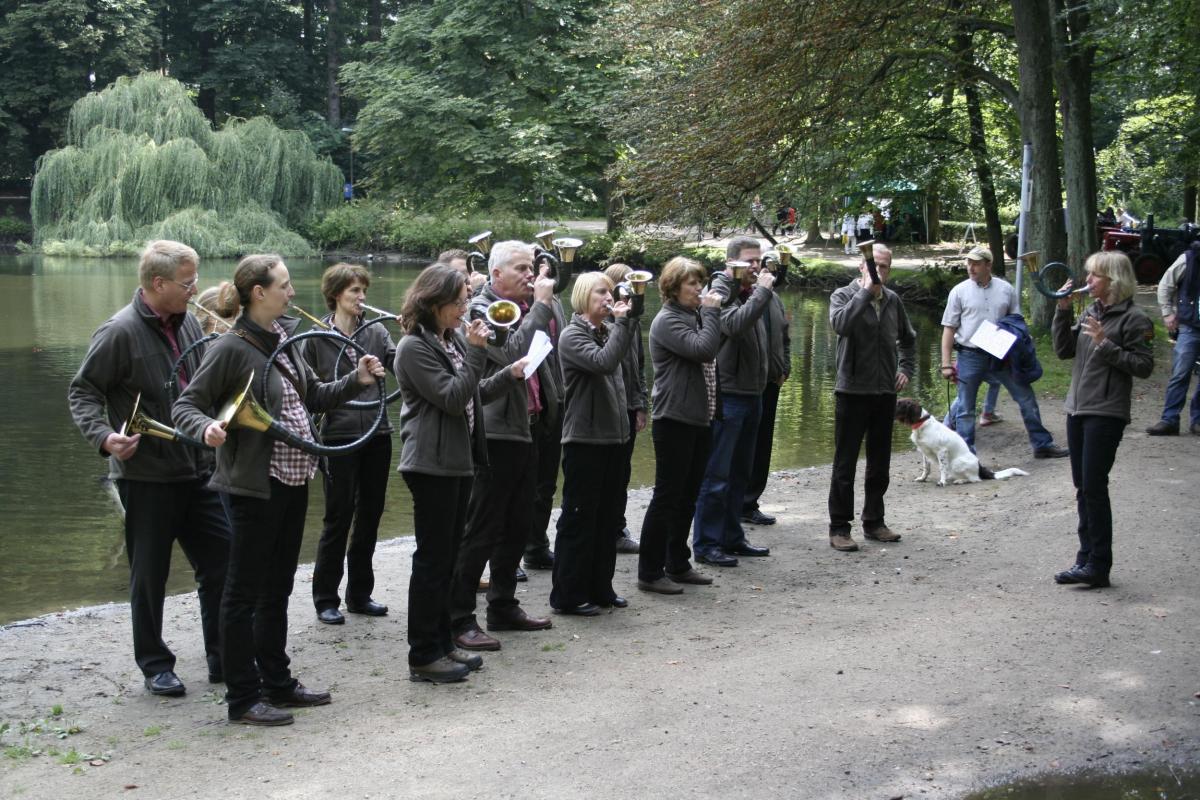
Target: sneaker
x,y
989,418
1164,428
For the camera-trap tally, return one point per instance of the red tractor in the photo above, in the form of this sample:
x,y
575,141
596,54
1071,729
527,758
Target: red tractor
x,y
1150,249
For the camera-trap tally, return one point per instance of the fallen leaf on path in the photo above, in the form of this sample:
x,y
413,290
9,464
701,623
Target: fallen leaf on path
x,y
97,762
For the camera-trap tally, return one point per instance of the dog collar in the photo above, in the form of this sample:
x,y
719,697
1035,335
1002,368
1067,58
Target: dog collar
x,y
922,421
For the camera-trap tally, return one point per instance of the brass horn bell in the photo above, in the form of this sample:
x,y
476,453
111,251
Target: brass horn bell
x,y
566,248
738,268
243,411
1032,261
546,238
638,280
139,422
482,242
785,254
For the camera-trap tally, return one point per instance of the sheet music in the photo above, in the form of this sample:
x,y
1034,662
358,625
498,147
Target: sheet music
x,y
993,340
539,348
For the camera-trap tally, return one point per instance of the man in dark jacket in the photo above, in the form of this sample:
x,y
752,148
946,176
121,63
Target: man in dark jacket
x,y
501,509
779,367
717,534
876,356
162,483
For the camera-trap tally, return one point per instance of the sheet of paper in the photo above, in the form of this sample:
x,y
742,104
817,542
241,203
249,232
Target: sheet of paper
x,y
539,348
993,340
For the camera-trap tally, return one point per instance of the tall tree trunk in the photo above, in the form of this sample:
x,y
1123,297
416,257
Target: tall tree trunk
x,y
206,98
978,144
1073,59
1189,196
933,205
307,29
1046,232
813,237
333,54
374,20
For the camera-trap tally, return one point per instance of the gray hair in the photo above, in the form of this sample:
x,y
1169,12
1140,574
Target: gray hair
x,y
739,243
162,258
504,252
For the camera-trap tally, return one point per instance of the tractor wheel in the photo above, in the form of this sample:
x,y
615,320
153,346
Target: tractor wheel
x,y
1148,268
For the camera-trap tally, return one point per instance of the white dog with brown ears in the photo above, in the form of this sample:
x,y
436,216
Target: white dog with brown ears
x,y
935,442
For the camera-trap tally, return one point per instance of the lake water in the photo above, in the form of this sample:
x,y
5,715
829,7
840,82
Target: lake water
x,y
61,540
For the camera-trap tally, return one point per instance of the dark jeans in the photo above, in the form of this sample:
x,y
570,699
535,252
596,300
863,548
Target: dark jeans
x,y
1093,442
859,416
680,455
585,553
498,519
156,514
439,517
762,449
547,441
355,490
263,555
627,473
718,523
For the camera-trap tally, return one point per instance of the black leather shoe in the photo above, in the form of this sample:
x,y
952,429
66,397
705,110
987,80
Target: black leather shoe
x,y
543,560
757,517
301,697
444,670
1163,428
216,677
717,559
581,610
617,602
263,714
627,545
691,576
330,616
369,608
469,660
1068,575
1092,577
747,549
1053,451
166,684
521,577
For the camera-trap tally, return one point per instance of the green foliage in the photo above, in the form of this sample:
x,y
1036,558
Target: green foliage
x,y
143,163
13,229
470,103
373,225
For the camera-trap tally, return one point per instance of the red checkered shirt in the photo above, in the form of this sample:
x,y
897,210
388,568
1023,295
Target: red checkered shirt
x,y
288,465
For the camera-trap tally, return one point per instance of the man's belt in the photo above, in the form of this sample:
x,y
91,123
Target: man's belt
x,y
961,347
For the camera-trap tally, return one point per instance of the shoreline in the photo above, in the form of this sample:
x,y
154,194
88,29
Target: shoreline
x,y
946,662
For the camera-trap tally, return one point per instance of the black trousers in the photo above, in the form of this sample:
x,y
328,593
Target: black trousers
x,y
680,457
627,473
1093,442
585,555
439,518
355,491
547,440
157,514
498,519
262,568
762,449
859,416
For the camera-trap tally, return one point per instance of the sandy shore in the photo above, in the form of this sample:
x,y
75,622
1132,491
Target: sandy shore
x,y
923,669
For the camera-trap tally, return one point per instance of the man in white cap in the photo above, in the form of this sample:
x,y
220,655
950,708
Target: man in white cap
x,y
984,297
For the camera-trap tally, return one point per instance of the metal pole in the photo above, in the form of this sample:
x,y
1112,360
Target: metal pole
x,y
1023,220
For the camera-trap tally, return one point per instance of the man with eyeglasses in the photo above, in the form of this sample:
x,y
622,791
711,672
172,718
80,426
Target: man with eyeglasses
x,y
717,534
162,484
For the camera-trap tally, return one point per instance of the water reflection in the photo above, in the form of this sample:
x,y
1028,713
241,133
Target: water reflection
x,y
62,541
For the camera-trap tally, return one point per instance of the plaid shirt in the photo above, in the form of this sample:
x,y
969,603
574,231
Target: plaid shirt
x,y
710,387
288,465
456,358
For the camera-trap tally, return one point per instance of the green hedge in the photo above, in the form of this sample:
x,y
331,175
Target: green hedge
x,y
13,229
375,226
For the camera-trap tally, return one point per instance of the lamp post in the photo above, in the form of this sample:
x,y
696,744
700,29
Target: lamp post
x,y
349,194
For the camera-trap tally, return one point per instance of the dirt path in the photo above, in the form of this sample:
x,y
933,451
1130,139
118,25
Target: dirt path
x,y
920,669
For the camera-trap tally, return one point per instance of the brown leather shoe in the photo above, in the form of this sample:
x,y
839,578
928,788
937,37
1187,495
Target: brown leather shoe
x,y
662,585
474,639
843,542
882,534
692,577
300,697
517,620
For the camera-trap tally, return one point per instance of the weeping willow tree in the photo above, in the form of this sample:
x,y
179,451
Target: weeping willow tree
x,y
141,162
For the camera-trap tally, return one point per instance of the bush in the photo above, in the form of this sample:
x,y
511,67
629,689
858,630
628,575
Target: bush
x,y
13,229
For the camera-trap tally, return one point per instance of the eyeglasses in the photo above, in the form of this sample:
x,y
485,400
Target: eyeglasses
x,y
189,285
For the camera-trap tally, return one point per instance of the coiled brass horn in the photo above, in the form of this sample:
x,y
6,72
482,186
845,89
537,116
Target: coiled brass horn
x,y
140,422
1041,276
566,247
638,280
243,411
477,259
546,238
